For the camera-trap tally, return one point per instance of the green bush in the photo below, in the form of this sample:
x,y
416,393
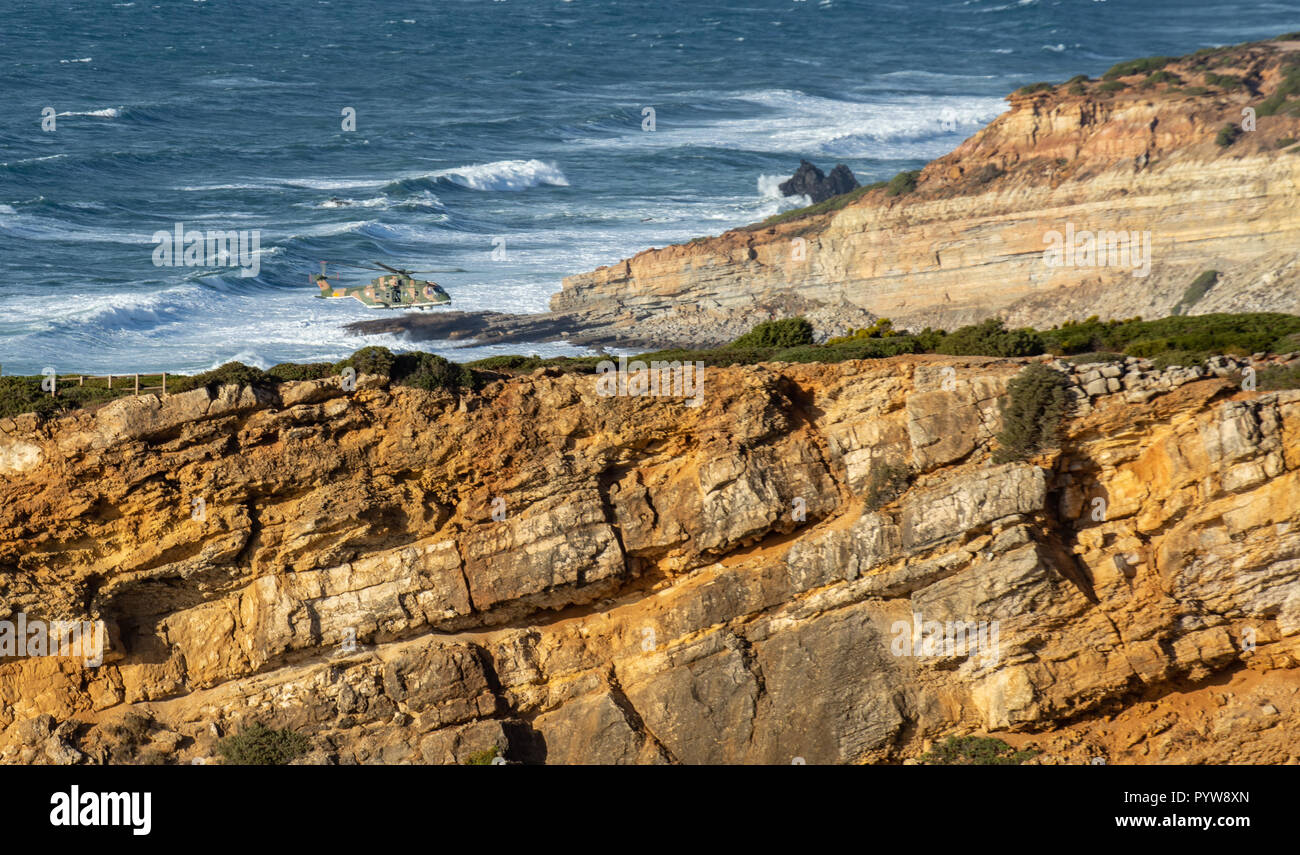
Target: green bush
x,y
1112,86
1032,413
787,332
1095,356
991,338
1077,89
1227,135
1223,81
429,371
369,360
258,745
1285,142
975,751
1137,66
902,183
230,374
1035,87
287,372
1158,77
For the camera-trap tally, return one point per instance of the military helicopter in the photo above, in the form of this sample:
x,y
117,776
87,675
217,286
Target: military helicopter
x,y
399,290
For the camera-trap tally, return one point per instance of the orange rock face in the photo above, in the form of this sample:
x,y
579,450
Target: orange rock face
x,y
404,576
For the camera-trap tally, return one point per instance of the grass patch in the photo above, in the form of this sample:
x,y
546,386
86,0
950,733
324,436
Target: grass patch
x,y
1285,142
1112,86
484,757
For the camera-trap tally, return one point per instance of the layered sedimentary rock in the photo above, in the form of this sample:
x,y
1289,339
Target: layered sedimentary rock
x,y
408,576
970,242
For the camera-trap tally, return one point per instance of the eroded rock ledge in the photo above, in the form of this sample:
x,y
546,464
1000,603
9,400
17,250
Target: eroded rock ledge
x,y
667,584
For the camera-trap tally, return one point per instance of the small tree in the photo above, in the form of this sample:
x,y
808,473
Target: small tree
x,y
1032,413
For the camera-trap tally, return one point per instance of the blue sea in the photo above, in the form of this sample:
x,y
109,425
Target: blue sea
x,y
503,143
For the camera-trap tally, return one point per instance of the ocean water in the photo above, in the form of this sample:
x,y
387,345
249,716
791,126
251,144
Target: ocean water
x,y
505,142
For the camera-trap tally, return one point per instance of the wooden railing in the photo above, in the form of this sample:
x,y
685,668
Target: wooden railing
x,y
123,381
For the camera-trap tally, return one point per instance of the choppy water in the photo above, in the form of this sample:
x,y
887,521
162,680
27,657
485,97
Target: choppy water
x,y
480,125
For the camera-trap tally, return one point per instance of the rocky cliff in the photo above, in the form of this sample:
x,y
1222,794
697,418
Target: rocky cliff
x,y
408,576
1137,154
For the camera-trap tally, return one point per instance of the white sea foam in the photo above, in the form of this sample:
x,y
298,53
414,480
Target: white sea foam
x,y
504,175
886,126
104,113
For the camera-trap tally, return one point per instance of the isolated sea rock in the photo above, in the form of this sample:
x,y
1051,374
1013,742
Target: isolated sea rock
x,y
810,181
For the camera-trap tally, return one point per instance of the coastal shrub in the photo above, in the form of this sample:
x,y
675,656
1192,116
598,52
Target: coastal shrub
x,y
1079,78
1227,135
1158,77
1035,87
1199,288
369,360
1032,412
230,374
1096,356
1271,105
902,183
1203,334
1169,358
1137,66
1077,89
259,745
428,371
1285,142
1195,90
882,328
1279,377
787,332
1223,81
877,348
287,372
976,751
886,483
991,338
1112,86
24,395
